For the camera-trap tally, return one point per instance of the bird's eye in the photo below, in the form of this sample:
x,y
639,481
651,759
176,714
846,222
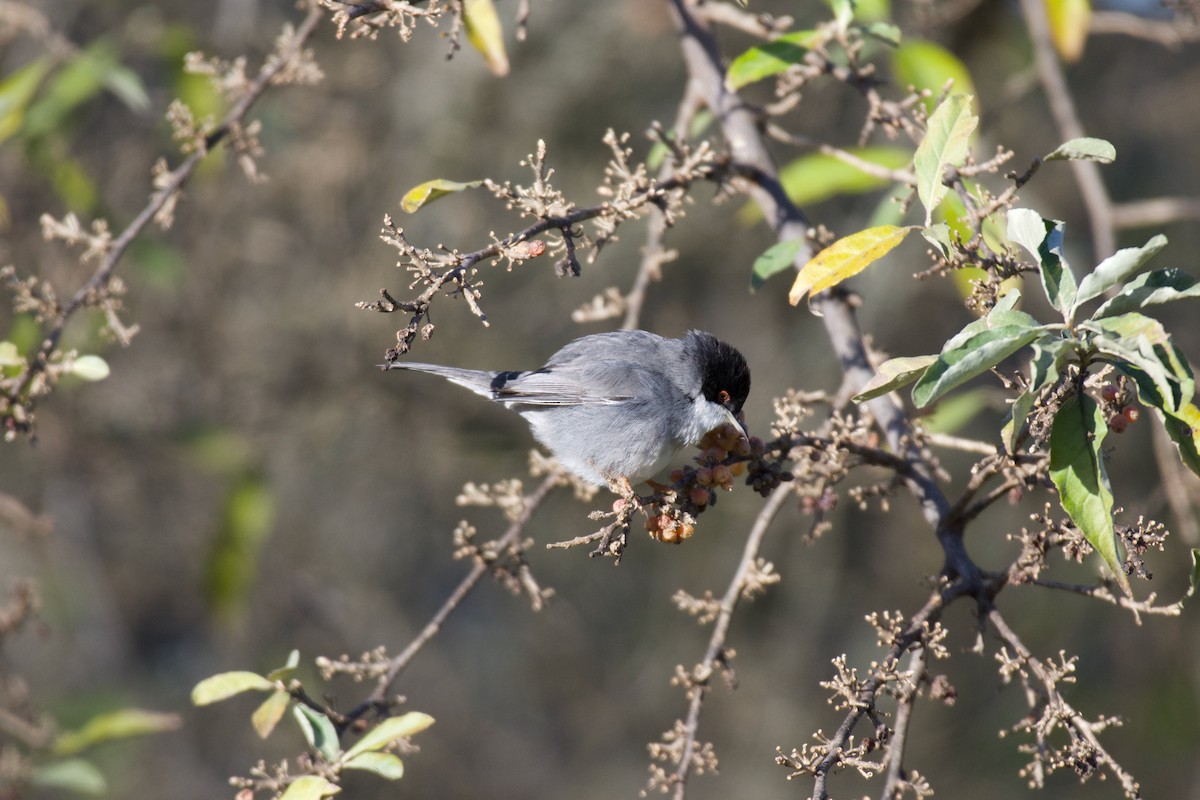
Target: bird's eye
x,y
723,397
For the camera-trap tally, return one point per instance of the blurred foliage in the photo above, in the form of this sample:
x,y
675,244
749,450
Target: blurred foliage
x,y
319,515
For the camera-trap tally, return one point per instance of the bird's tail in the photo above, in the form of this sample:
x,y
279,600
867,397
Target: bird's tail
x,y
477,381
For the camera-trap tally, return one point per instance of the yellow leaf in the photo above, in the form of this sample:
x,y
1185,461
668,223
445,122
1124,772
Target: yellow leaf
x,y
485,34
420,196
1069,26
845,258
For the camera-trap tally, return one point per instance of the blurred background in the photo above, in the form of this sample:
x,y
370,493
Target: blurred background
x,y
246,482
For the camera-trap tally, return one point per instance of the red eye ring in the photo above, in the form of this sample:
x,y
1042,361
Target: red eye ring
x,y
723,397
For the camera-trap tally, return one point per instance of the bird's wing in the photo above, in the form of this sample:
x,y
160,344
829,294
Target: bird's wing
x,y
600,383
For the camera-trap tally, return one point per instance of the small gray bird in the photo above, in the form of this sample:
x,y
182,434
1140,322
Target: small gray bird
x,y
616,408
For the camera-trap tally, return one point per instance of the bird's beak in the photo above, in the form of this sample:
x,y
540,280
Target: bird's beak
x,y
737,421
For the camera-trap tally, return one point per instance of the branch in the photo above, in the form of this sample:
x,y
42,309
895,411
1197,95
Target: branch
x,y
166,194
1062,107
1079,726
397,664
716,642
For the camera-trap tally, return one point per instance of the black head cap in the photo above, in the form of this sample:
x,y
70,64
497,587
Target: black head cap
x,y
724,373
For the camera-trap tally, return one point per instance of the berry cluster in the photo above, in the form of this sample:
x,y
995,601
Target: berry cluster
x,y
725,454
1120,412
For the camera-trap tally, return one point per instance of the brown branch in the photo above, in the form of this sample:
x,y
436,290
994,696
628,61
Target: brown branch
x,y
1062,108
716,642
899,738
1049,688
1155,212
1172,34
481,568
164,195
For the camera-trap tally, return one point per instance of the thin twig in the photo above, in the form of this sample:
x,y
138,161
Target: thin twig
x,y
716,642
899,739
1049,686
397,664
165,194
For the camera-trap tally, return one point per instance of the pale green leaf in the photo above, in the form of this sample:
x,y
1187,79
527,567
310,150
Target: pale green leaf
x,y
1027,228
1118,268
318,730
420,196
120,724
947,143
389,731
777,258
9,357
885,32
1084,148
845,258
1151,288
72,774
771,58
270,711
485,34
386,765
309,787
1077,470
959,363
227,684
893,374
90,368
285,672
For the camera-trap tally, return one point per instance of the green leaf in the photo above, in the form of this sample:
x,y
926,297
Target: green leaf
x,y
15,93
309,787
247,519
947,143
1195,581
885,32
388,731
270,711
1068,20
90,368
925,65
953,413
1077,470
318,731
845,258
227,684
285,672
1118,268
72,774
961,361
386,765
420,196
1183,427
120,724
816,177
777,258
939,235
485,34
1043,238
1151,288
893,374
1084,149
773,57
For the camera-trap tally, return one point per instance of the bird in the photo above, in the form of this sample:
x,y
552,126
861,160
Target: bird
x,y
616,408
